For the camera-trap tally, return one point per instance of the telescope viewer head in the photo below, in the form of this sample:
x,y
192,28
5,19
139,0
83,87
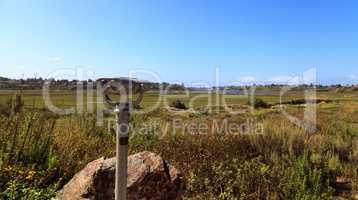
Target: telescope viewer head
x,y
121,86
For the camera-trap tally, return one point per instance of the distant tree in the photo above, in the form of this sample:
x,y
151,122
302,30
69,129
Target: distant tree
x,y
4,78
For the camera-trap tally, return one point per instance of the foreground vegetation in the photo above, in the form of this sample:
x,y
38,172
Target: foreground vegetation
x,y
41,151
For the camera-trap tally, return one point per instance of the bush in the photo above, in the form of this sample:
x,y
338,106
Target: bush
x,y
304,182
25,184
178,104
233,179
258,103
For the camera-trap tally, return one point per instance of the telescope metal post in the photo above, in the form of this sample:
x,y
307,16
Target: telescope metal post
x,y
122,118
122,112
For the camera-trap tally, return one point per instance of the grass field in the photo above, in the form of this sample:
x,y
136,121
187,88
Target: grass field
x,y
67,98
41,151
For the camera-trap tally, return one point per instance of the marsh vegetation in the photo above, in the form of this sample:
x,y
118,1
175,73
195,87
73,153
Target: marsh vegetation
x,y
40,151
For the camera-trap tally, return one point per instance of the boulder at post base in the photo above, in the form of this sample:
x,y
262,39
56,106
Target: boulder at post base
x,y
149,177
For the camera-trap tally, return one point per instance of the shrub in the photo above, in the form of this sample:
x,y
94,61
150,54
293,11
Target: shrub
x,y
258,103
304,182
178,104
233,179
334,165
23,189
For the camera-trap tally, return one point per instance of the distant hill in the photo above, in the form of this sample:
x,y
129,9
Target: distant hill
x,y
4,78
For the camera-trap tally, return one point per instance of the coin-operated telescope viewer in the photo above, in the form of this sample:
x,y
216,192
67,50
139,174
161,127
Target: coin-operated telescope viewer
x,y
122,94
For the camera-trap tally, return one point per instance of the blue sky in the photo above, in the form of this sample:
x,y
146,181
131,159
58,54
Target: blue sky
x,y
183,40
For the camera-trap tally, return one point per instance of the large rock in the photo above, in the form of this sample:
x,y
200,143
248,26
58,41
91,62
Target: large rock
x,y
149,177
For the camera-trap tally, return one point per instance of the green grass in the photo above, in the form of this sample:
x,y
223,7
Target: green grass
x,y
67,98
